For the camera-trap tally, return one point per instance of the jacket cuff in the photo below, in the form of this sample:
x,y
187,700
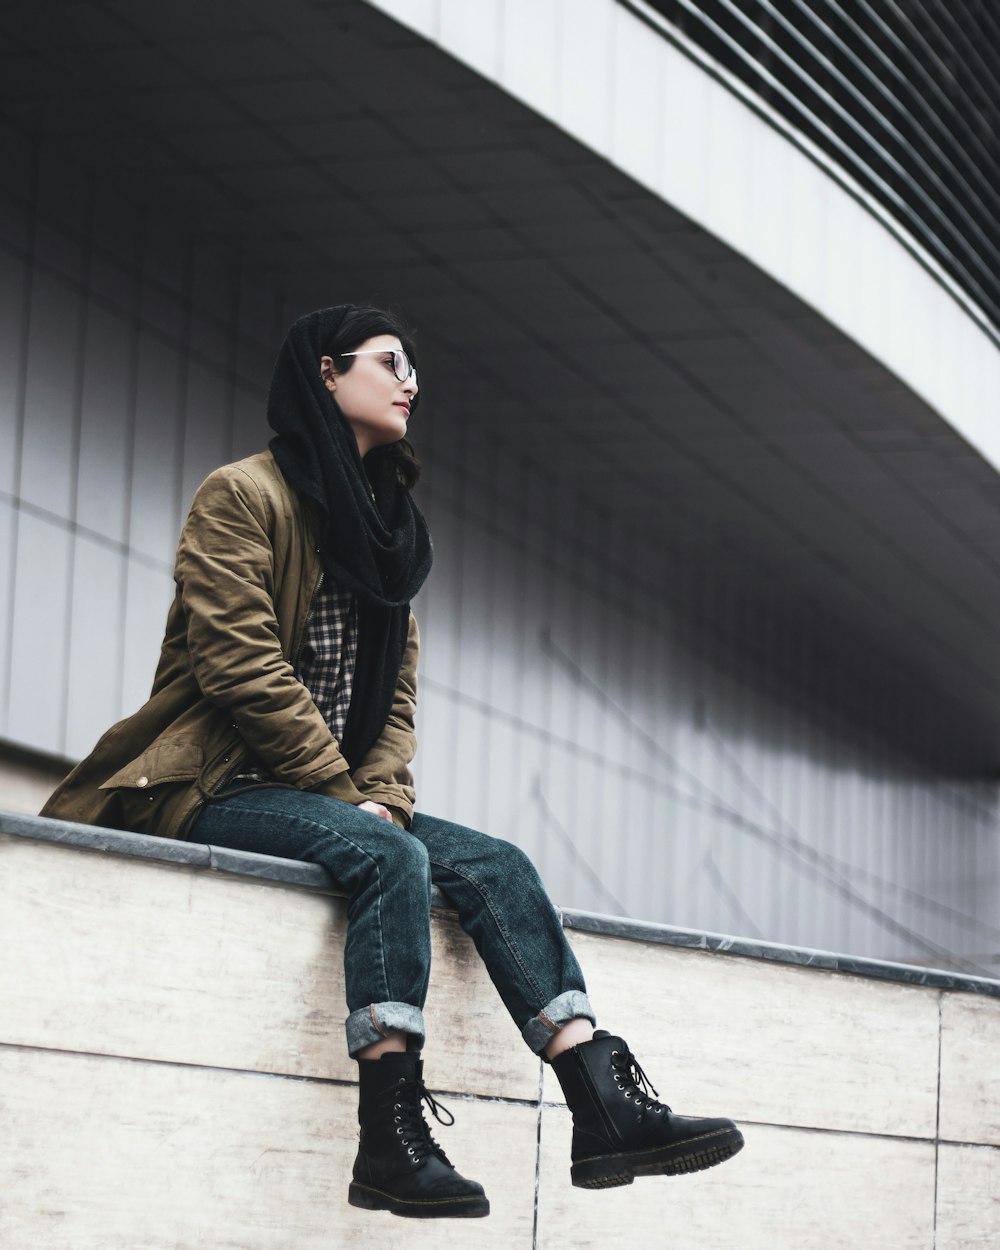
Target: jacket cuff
x,y
340,786
399,817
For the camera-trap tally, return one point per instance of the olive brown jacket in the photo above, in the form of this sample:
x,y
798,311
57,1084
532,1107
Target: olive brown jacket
x,y
225,689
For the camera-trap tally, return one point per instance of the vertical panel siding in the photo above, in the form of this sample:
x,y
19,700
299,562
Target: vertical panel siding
x,y
659,778
13,277
574,698
47,450
116,399
8,538
39,585
102,476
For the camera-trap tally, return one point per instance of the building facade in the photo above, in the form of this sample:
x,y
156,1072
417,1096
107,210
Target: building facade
x,y
711,375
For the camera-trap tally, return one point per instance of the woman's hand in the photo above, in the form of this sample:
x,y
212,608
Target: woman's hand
x,y
376,809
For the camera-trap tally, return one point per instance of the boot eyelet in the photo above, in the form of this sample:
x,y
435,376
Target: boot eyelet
x,y
410,1151
399,1131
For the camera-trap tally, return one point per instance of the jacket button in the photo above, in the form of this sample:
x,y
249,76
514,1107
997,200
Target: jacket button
x,y
143,781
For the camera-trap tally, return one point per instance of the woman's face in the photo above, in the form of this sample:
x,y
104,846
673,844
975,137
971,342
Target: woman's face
x,y
375,404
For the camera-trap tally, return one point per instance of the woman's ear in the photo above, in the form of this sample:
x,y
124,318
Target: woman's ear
x,y
326,372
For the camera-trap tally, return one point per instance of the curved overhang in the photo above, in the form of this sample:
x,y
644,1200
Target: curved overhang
x,y
631,86
848,437
757,394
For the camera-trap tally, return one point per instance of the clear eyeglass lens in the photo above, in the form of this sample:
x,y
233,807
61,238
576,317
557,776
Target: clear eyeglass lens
x,y
401,366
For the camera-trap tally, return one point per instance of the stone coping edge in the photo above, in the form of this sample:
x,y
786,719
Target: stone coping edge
x,y
754,948
313,877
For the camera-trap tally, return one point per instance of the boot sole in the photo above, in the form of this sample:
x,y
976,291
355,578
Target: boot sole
x,y
473,1207
609,1171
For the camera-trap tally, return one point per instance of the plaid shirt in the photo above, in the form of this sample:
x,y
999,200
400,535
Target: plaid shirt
x,y
326,665
326,662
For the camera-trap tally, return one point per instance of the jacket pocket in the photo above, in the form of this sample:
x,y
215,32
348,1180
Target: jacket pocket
x,y
168,760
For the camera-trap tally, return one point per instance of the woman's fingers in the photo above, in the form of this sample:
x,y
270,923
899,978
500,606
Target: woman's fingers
x,y
376,809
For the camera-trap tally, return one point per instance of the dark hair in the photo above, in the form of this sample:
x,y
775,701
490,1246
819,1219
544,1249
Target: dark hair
x,y
361,323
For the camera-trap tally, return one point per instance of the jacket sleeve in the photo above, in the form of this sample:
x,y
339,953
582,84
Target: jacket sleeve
x,y
384,774
225,573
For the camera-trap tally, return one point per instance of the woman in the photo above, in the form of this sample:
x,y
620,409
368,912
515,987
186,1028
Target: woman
x,y
281,721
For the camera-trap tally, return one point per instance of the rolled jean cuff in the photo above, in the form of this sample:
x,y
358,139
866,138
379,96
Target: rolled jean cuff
x,y
372,1024
540,1030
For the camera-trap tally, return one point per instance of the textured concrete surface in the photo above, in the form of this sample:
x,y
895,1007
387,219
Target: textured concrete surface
x,y
173,1074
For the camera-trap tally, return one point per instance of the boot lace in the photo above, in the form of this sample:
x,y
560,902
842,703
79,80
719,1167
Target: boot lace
x,y
634,1083
408,1117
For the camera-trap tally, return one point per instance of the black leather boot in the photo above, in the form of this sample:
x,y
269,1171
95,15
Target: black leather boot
x,y
400,1167
620,1131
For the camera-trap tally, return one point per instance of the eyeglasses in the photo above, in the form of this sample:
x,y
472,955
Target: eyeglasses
x,y
401,366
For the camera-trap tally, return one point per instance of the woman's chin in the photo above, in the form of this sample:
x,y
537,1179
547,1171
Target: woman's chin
x,y
394,434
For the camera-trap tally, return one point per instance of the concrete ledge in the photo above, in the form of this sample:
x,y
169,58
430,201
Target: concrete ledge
x,y
803,956
173,1073
312,877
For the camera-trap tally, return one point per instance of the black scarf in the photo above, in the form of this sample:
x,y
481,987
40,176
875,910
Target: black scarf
x,y
373,540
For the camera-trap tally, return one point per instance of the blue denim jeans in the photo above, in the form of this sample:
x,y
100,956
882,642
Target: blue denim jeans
x,y
387,874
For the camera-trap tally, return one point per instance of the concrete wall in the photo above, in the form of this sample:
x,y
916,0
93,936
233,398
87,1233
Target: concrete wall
x,y
173,1074
27,779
